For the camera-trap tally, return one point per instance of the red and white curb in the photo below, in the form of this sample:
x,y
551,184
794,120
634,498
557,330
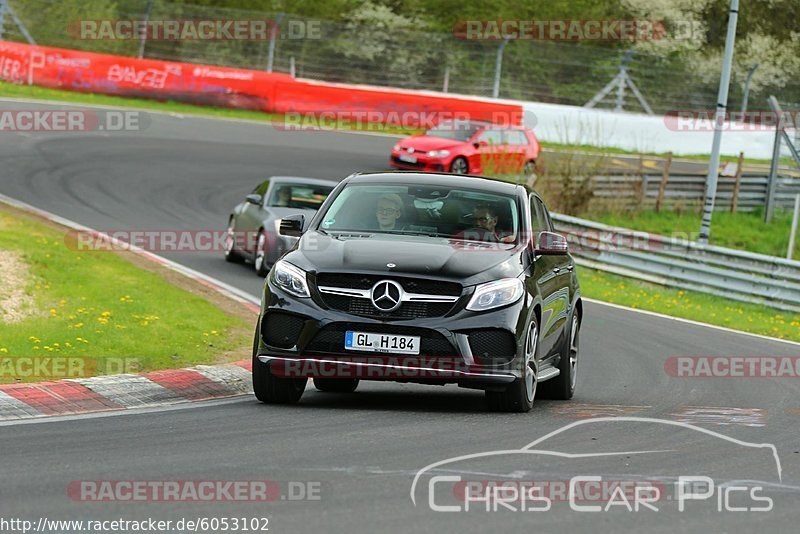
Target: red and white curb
x,y
123,392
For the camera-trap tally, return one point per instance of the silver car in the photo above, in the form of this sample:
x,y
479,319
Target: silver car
x,y
252,233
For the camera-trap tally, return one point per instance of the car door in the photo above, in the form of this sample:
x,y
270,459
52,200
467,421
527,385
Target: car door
x,y
488,154
251,216
516,144
552,283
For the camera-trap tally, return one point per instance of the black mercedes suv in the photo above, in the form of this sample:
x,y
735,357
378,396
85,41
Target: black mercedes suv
x,y
422,277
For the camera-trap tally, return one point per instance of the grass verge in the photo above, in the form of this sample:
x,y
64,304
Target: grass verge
x,y
107,312
743,231
689,305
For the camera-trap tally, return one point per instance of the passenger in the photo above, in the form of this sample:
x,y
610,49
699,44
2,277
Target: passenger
x,y
284,197
388,210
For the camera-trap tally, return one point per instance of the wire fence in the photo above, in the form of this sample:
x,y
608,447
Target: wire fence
x,y
353,52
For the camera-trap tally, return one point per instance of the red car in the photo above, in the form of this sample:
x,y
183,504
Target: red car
x,y
469,147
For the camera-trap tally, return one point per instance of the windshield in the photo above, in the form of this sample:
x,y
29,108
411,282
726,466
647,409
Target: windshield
x,y
456,130
452,213
298,196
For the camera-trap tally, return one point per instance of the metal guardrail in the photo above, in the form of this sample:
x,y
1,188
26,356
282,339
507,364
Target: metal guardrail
x,y
734,274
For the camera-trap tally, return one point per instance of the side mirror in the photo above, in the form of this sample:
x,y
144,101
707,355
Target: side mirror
x,y
292,225
551,244
254,199
479,144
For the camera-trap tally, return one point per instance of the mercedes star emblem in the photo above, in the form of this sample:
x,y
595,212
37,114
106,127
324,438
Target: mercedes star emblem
x,y
386,295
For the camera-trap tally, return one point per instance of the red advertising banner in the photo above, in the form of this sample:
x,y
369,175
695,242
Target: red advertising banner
x,y
75,70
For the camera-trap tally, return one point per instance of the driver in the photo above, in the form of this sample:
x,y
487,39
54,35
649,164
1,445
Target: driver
x,y
486,219
388,210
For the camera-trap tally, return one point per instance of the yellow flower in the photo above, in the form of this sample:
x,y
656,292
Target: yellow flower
x,y
5,350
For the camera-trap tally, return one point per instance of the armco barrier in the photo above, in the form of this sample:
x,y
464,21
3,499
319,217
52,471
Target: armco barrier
x,y
734,274
75,70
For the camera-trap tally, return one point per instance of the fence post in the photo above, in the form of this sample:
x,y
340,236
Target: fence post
x,y
498,66
143,38
737,184
773,176
446,83
272,37
642,184
291,67
2,16
662,189
793,233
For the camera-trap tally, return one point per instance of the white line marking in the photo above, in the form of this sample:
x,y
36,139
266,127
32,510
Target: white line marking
x,y
689,321
184,405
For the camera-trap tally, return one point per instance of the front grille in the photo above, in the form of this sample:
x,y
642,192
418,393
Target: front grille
x,y
330,340
410,285
281,329
408,310
492,346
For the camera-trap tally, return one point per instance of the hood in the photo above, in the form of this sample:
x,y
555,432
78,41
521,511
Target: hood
x,y
424,143
412,255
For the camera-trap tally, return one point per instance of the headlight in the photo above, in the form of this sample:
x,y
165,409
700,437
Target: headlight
x,y
290,278
496,294
439,153
396,148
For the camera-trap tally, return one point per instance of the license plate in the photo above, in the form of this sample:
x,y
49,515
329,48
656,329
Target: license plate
x,y
407,158
372,342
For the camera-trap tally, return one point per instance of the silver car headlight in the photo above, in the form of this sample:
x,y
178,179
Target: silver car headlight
x,y
290,278
495,294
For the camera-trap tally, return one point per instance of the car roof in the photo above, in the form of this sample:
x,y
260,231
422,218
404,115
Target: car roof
x,y
438,178
302,180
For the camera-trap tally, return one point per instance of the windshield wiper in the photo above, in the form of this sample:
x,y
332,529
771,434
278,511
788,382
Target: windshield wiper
x,y
411,232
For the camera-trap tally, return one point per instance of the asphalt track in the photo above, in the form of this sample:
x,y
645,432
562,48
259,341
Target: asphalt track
x,y
364,449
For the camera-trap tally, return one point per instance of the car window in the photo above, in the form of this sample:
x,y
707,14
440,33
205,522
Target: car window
x,y
298,196
261,189
540,221
456,130
493,137
516,137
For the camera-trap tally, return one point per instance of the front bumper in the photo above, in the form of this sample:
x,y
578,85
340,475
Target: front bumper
x,y
424,163
310,335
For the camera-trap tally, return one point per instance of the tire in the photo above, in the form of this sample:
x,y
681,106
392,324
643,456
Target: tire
x,y
260,259
336,385
459,166
529,169
562,387
231,255
270,389
519,396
